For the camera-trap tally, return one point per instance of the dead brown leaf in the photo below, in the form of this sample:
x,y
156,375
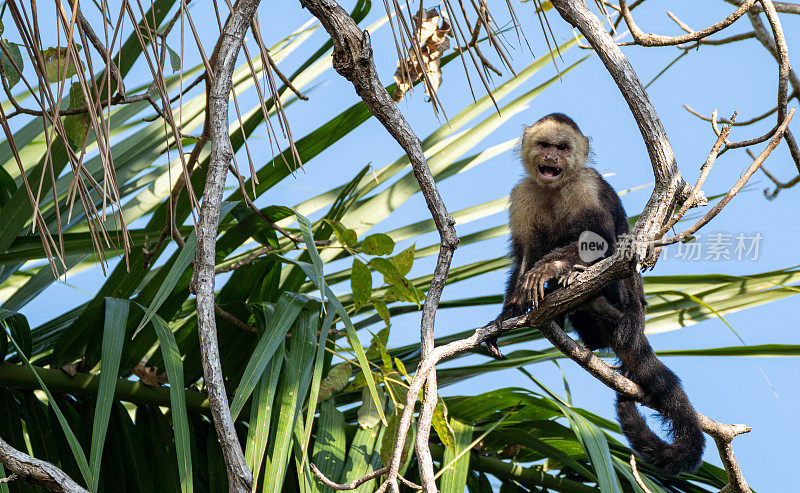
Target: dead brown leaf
x,y
150,376
430,33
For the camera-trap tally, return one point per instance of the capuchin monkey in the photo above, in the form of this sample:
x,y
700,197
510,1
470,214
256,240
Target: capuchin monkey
x,y
558,201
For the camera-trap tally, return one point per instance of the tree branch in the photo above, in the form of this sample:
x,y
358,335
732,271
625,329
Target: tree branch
x,y
782,7
218,88
352,58
643,39
37,472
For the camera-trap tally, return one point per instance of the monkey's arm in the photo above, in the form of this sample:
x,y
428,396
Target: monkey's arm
x,y
564,263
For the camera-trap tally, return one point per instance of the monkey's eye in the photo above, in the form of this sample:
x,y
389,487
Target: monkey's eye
x,y
544,144
562,147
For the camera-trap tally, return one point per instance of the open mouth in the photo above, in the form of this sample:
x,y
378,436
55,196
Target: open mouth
x,y
549,173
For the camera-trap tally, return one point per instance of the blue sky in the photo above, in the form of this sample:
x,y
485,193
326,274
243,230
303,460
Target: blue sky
x,y
762,393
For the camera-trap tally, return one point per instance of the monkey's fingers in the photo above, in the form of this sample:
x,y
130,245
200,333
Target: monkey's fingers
x,y
539,289
527,287
568,278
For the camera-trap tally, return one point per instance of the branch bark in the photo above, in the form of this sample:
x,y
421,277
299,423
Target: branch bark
x,y
670,188
352,58
643,39
218,88
37,472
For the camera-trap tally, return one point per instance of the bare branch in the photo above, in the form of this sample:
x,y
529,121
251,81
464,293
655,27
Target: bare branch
x,y
643,39
230,317
358,482
698,197
782,7
245,261
736,188
37,472
777,48
722,433
352,58
218,88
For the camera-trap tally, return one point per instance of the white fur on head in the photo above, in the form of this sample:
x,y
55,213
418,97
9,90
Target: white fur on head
x,y
553,131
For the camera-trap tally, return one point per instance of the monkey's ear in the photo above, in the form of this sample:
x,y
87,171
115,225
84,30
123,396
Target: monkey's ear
x,y
587,144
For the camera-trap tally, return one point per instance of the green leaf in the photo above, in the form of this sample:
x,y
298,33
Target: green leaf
x,y
344,236
116,317
592,439
361,284
292,388
19,329
335,381
311,248
180,418
383,312
3,346
404,260
362,456
76,126
391,276
316,376
377,244
174,59
390,440
378,341
175,272
330,446
441,424
454,477
369,414
286,312
74,444
261,413
757,350
544,6
58,64
12,74
352,336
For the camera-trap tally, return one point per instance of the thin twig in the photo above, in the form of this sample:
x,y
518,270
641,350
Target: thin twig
x,y
643,39
245,261
698,197
782,7
101,49
358,482
230,317
735,189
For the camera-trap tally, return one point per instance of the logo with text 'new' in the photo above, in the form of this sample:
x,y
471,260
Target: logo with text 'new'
x,y
591,246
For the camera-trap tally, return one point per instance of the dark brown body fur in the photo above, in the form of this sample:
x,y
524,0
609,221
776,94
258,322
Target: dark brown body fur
x,y
547,214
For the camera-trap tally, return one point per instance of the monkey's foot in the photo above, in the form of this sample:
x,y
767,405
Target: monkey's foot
x,y
491,346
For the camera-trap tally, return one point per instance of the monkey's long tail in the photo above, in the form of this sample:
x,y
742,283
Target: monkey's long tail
x,y
685,452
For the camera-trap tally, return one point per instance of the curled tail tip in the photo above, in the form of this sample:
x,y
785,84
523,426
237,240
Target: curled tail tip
x,y
684,454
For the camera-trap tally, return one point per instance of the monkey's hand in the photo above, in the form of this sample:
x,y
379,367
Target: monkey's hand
x,y
569,277
532,285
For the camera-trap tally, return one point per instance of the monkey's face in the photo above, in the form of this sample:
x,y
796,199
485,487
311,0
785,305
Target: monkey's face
x,y
551,151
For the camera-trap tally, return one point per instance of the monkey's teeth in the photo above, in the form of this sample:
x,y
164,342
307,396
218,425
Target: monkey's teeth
x,y
549,171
